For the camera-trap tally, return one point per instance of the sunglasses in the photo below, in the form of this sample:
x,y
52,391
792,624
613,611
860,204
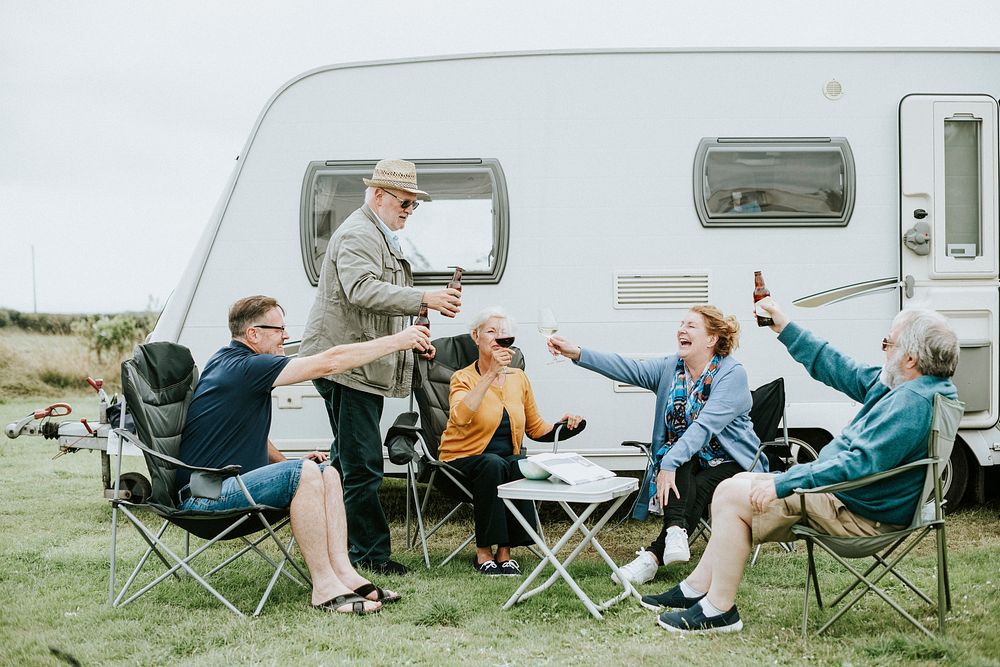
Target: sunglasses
x,y
886,344
404,203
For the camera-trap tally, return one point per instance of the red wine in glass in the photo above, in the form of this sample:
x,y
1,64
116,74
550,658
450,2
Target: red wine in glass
x,y
506,341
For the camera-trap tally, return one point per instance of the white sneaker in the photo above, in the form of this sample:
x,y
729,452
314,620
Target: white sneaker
x,y
639,571
676,548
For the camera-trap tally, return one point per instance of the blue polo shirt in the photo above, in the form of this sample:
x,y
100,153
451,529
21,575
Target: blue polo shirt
x,y
230,413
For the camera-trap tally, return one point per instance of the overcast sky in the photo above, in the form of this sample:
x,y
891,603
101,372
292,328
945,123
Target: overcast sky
x,y
120,121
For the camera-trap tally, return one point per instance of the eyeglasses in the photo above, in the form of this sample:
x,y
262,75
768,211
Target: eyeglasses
x,y
269,326
886,344
404,203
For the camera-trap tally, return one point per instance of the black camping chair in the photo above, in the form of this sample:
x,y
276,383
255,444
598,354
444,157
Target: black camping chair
x,y
158,383
767,413
417,447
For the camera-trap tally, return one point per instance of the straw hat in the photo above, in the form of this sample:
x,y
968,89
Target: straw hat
x,y
396,175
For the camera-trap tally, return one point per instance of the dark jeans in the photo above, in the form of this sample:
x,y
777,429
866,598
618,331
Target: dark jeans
x,y
696,486
494,524
356,453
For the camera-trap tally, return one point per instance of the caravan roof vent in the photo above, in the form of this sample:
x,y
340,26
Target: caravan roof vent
x,y
660,289
833,90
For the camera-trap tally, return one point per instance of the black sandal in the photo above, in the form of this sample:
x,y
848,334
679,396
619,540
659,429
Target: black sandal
x,y
385,598
357,605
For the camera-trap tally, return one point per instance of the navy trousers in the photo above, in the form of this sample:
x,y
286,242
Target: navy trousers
x,y
356,453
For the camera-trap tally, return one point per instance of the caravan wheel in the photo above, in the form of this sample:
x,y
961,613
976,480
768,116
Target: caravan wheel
x,y
137,487
955,477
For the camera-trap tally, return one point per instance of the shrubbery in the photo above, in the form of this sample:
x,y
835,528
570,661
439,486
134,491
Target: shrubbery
x,y
47,323
116,334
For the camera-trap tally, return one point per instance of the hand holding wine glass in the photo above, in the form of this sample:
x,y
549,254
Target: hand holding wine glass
x,y
560,346
547,326
505,339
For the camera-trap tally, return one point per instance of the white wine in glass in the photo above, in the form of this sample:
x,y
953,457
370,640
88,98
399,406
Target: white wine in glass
x,y
548,325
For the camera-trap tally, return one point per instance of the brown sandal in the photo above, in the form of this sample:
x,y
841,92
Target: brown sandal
x,y
383,596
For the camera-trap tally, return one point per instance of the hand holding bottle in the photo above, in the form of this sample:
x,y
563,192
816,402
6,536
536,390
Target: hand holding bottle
x,y
770,307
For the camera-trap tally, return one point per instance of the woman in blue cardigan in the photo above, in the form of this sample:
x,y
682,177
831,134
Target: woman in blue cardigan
x,y
702,432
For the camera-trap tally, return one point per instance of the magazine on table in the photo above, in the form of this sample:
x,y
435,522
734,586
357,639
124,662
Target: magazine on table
x,y
570,468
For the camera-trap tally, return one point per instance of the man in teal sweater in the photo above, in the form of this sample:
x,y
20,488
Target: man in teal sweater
x,y
891,429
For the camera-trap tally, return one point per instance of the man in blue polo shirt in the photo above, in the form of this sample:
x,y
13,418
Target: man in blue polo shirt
x,y
228,423
890,429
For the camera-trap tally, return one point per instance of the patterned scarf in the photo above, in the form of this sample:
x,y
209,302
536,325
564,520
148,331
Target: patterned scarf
x,y
686,404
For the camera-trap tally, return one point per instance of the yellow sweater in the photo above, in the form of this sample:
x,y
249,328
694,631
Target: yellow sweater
x,y
468,432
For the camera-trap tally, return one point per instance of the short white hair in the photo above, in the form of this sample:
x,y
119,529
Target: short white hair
x,y
487,314
927,336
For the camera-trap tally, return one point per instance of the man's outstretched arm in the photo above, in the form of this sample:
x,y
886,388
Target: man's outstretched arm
x,y
342,358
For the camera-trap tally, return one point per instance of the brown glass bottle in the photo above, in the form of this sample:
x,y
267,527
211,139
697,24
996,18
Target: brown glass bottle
x,y
456,279
759,292
422,320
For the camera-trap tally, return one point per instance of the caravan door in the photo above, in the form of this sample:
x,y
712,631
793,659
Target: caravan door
x,y
949,239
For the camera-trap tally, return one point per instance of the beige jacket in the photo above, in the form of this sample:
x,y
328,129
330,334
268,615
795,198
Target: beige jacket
x,y
365,292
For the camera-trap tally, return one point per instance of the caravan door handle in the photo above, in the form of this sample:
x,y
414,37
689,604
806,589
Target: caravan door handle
x,y
920,214
908,282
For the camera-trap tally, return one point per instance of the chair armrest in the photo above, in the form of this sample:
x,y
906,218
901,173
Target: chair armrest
x,y
865,481
131,438
559,432
644,447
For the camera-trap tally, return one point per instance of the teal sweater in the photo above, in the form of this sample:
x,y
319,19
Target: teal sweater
x,y
890,430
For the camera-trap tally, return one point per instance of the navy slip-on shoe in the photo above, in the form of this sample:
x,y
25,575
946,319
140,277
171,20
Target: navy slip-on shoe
x,y
694,620
672,599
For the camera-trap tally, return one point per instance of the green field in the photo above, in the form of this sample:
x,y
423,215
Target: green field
x,y
55,530
54,548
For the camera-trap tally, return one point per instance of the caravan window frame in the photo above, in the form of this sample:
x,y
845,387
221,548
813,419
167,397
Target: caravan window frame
x,y
753,216
500,213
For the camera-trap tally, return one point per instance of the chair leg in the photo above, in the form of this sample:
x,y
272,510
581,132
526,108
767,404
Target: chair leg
x,y
810,577
943,593
412,492
461,546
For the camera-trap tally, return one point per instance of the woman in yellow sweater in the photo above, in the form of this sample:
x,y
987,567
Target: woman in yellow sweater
x,y
492,407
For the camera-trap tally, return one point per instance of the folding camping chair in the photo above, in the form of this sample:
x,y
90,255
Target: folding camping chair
x,y
418,446
889,549
158,383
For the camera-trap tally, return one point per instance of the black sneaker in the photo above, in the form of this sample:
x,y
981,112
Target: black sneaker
x,y
388,567
672,599
489,568
694,620
510,568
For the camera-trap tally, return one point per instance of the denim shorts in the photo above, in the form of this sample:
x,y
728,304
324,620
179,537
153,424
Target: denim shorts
x,y
273,485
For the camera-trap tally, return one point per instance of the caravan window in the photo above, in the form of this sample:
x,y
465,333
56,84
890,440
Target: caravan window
x,y
465,224
774,182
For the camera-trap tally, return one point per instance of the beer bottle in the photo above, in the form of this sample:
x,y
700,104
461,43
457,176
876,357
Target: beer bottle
x,y
759,292
456,279
423,321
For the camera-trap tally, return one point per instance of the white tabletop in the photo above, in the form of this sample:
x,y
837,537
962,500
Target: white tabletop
x,y
591,492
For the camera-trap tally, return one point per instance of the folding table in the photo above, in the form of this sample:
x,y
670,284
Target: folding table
x,y
591,494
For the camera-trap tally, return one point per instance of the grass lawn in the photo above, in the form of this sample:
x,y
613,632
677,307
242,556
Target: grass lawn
x,y
54,543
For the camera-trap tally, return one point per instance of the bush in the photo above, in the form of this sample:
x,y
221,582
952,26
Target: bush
x,y
115,334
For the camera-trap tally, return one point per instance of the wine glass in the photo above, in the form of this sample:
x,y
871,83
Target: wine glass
x,y
504,338
547,326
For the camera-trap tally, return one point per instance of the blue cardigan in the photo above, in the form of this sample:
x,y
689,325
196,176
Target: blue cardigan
x,y
725,413
890,430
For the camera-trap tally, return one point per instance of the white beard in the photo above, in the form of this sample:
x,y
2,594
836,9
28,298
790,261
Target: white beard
x,y
892,373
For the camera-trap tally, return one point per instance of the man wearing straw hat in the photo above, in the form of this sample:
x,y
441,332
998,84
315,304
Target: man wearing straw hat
x,y
366,291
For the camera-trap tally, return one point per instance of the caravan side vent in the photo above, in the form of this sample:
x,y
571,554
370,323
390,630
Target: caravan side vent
x,y
660,289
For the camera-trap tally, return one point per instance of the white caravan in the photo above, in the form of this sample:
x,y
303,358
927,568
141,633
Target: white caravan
x,y
618,188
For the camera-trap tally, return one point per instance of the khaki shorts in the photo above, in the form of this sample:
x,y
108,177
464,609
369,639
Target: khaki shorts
x,y
824,511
